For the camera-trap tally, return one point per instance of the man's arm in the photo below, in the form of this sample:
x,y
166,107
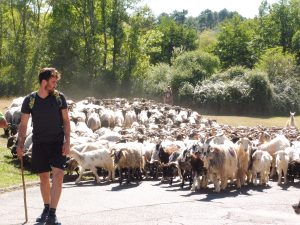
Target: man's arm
x,y
3,123
66,121
22,134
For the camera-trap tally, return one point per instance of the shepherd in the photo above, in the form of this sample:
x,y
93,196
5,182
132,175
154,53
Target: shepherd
x,y
168,96
51,139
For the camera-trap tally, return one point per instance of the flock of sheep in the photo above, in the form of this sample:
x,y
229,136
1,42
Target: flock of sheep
x,y
142,138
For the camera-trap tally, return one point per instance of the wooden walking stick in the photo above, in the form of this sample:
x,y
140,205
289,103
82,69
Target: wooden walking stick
x,y
24,189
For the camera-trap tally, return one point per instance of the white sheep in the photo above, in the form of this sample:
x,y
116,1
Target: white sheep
x,y
119,118
261,164
93,121
282,161
107,117
93,159
278,143
130,117
222,165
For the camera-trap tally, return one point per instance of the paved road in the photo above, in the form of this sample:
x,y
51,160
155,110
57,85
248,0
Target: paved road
x,y
152,203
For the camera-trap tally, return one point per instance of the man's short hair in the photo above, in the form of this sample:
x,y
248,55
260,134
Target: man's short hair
x,y
47,73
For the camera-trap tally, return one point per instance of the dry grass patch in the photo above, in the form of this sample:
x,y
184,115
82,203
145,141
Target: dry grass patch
x,y
252,121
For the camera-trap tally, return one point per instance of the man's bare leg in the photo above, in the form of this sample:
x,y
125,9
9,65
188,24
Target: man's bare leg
x,y
45,187
57,180
45,192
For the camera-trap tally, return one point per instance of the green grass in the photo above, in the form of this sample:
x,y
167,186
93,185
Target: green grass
x,y
10,173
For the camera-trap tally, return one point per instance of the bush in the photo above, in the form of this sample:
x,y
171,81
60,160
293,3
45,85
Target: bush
x,y
235,72
286,96
260,91
277,64
223,96
186,92
156,80
193,67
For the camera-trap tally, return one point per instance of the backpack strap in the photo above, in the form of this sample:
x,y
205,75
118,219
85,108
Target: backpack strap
x,y
58,98
32,99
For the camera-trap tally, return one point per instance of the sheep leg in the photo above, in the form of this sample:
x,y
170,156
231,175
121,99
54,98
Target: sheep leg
x,y
238,182
198,181
129,175
216,182
267,178
279,176
81,171
254,175
249,177
109,175
273,171
204,181
179,172
113,174
224,181
285,176
194,183
183,178
121,176
94,170
243,180
262,179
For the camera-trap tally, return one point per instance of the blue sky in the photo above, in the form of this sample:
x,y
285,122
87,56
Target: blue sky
x,y
247,8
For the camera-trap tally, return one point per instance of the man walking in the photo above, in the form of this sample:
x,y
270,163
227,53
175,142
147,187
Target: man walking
x,y
51,139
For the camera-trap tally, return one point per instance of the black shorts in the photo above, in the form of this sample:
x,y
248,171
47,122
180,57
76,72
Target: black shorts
x,y
47,155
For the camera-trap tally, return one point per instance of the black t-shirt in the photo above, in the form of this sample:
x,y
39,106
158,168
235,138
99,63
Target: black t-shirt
x,y
46,117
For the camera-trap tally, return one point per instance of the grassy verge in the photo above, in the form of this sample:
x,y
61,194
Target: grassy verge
x,y
10,173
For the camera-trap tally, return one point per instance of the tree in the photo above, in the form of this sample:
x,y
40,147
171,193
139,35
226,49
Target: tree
x,y
174,35
282,17
179,17
235,46
296,45
138,44
276,63
193,67
64,40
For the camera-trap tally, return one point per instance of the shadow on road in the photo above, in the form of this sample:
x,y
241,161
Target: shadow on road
x,y
125,186
228,192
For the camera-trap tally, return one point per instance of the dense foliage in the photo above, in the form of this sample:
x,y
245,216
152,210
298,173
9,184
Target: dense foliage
x,y
218,61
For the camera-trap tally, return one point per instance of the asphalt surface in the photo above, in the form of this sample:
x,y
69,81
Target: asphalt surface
x,y
150,202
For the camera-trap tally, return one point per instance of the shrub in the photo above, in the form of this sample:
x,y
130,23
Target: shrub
x,y
186,92
193,67
260,91
223,96
235,72
157,79
277,64
286,95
